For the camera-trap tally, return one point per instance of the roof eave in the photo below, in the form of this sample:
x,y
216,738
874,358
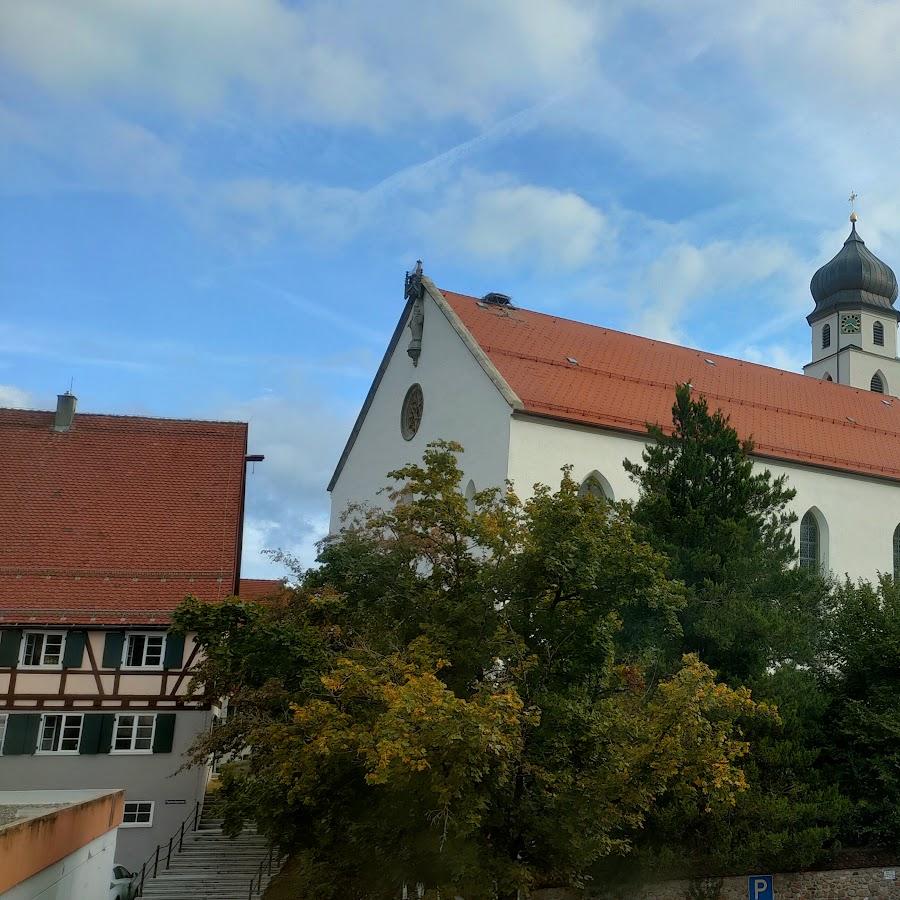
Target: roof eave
x,y
370,396
483,360
822,312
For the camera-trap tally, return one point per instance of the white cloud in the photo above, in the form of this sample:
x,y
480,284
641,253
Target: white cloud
x,y
355,62
287,502
684,276
780,356
496,220
15,398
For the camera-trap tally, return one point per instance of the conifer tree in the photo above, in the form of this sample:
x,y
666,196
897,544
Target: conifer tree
x,y
727,531
756,619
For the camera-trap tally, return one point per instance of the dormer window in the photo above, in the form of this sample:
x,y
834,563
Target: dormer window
x,y
826,336
878,334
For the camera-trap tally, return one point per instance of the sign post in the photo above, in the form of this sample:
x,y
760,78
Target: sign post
x,y
761,887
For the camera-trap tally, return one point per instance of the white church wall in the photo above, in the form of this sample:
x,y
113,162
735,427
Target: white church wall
x,y
818,351
860,513
863,366
889,348
461,404
539,448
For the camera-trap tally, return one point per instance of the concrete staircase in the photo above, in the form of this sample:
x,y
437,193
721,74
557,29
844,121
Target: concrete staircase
x,y
212,866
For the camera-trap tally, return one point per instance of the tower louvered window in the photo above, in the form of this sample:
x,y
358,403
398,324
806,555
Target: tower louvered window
x,y
826,336
809,542
876,384
878,334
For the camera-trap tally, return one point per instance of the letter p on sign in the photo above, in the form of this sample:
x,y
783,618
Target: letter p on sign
x,y
761,887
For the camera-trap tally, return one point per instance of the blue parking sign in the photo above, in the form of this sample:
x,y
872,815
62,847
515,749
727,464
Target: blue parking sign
x,y
761,887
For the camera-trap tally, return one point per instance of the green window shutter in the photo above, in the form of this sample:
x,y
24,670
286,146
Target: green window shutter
x,y
165,732
74,651
174,651
96,733
104,744
21,734
10,638
112,649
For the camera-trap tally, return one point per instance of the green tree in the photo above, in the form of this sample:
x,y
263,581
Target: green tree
x,y
470,699
863,671
756,618
727,531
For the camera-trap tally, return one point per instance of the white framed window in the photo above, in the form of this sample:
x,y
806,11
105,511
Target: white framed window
x,y
143,650
60,733
133,733
4,718
42,649
137,814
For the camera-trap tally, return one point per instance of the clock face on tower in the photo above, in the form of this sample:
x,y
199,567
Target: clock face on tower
x,y
851,323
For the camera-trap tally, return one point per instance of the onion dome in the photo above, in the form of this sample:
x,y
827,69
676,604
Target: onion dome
x,y
854,278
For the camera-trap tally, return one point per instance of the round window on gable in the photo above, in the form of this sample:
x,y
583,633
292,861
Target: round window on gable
x,y
411,412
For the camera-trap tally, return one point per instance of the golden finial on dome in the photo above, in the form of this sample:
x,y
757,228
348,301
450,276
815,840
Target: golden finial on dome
x,y
853,216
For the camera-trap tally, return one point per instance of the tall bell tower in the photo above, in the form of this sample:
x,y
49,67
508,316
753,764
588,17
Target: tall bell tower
x,y
854,323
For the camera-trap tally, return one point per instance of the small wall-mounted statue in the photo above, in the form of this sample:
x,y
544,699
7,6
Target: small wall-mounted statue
x,y
415,291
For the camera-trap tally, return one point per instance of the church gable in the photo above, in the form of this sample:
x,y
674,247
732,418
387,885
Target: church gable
x,y
434,382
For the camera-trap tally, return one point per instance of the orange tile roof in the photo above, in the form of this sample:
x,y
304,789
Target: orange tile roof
x,y
118,519
260,588
622,381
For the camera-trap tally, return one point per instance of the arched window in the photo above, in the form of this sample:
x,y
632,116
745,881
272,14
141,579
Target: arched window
x,y
810,542
878,334
897,553
827,377
596,486
826,336
877,383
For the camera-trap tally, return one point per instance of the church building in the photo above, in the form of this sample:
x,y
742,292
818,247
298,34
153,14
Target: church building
x,y
526,393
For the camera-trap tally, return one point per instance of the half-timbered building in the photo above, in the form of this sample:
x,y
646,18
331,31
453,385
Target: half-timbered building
x,y
106,524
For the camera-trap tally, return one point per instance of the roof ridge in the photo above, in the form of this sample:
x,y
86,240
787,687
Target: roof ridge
x,y
119,416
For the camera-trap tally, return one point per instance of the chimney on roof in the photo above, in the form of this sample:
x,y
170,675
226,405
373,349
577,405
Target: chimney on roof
x,y
65,411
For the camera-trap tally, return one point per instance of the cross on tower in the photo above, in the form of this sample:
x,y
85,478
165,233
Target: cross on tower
x,y
852,198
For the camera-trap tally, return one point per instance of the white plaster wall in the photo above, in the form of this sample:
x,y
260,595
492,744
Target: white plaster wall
x,y
461,404
818,351
890,334
82,875
861,513
539,448
863,366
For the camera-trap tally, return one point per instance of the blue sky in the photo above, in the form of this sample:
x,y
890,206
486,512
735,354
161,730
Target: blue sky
x,y
209,205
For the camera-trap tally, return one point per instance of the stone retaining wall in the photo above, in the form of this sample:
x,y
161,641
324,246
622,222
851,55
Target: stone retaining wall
x,y
841,884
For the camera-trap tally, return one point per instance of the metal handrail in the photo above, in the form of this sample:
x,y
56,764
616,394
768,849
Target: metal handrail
x,y
257,878
154,856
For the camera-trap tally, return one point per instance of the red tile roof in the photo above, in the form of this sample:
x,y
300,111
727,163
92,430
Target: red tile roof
x,y
621,381
260,588
118,519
